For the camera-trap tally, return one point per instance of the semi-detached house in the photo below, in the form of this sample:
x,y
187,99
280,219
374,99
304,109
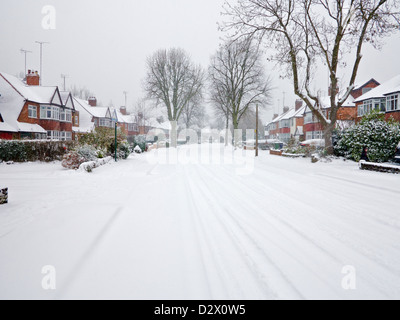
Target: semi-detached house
x,y
28,110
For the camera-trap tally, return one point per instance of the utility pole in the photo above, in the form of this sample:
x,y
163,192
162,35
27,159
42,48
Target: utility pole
x,y
25,52
64,76
257,130
41,43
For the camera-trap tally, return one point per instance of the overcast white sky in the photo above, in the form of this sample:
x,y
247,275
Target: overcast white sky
x,y
103,45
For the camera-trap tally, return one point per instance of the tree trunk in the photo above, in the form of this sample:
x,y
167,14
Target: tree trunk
x,y
174,134
328,134
226,131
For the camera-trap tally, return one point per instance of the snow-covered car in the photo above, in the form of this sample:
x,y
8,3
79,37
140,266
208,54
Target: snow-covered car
x,y
313,143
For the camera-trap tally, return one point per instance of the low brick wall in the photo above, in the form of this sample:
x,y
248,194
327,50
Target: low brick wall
x,y
291,155
3,196
379,167
276,152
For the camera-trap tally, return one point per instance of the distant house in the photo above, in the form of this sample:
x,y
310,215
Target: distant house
x,y
384,98
126,122
288,125
32,111
93,116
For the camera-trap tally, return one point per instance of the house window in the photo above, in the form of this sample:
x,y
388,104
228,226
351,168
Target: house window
x,y
284,124
62,114
309,118
365,90
76,120
32,112
53,135
309,135
392,103
68,116
368,105
50,113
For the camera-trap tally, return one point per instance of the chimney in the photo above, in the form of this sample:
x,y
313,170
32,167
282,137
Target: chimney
x,y
32,78
92,102
123,111
285,109
299,104
275,116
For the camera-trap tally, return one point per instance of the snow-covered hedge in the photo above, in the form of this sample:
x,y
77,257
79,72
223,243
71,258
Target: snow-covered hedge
x,y
90,165
380,136
33,150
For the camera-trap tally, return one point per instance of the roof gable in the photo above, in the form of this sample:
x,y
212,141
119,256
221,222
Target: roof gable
x,y
389,87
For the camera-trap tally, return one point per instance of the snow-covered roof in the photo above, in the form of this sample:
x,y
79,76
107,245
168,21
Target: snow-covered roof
x,y
85,117
391,86
30,127
123,118
299,113
153,123
38,94
11,103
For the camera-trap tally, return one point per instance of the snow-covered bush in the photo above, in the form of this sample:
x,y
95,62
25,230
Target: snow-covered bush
x,y
124,150
138,149
89,153
72,160
380,136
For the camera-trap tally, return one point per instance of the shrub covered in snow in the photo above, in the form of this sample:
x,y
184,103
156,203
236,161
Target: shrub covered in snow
x,y
89,153
102,139
124,150
380,136
72,160
138,149
39,150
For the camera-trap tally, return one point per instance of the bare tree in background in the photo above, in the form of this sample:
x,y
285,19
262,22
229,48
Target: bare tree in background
x,y
304,32
174,82
193,114
81,92
238,80
143,111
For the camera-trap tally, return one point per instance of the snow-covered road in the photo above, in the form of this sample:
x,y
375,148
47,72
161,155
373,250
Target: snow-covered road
x,y
141,230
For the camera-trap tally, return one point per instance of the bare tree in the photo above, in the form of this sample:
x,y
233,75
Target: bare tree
x,y
143,111
81,92
174,82
238,80
304,32
193,113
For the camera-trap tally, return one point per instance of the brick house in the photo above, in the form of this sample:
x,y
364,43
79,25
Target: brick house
x,y
287,125
346,115
126,122
384,98
93,116
32,111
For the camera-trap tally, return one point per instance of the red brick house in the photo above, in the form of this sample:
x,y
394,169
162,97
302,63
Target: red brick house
x,y
384,98
346,115
32,111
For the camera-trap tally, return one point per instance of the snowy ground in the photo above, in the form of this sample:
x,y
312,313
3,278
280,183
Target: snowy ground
x,y
142,230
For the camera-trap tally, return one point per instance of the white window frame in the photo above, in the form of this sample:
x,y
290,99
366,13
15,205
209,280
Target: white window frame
x,y
308,118
392,103
76,120
32,111
49,113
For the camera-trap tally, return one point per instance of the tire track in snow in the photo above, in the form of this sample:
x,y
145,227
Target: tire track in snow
x,y
213,249
244,245
355,252
88,254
